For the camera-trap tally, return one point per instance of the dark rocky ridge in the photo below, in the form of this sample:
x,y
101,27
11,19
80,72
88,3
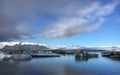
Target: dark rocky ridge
x,y
25,47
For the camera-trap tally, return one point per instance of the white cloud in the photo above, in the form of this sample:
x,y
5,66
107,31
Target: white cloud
x,y
85,19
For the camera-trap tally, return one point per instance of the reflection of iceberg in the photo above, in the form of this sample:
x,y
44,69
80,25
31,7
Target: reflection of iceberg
x,y
4,56
78,58
112,54
21,57
45,54
84,56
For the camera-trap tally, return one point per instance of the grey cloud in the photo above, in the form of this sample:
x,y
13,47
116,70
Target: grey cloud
x,y
17,17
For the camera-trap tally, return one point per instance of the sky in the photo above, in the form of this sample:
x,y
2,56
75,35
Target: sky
x,y
61,22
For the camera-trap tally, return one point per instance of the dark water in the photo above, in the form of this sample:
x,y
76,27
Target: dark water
x,y
64,65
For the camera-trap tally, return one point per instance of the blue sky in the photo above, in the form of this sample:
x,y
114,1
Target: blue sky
x,y
78,22
106,35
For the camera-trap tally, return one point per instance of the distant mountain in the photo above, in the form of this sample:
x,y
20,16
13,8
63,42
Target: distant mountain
x,y
25,47
37,46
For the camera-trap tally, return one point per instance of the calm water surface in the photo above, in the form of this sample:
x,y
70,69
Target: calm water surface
x,y
64,65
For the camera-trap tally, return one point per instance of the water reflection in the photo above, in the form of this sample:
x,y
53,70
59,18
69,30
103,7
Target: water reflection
x,y
83,58
78,59
26,68
64,65
114,59
61,69
13,68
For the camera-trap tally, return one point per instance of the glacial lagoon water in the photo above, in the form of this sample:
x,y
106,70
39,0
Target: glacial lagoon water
x,y
64,65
